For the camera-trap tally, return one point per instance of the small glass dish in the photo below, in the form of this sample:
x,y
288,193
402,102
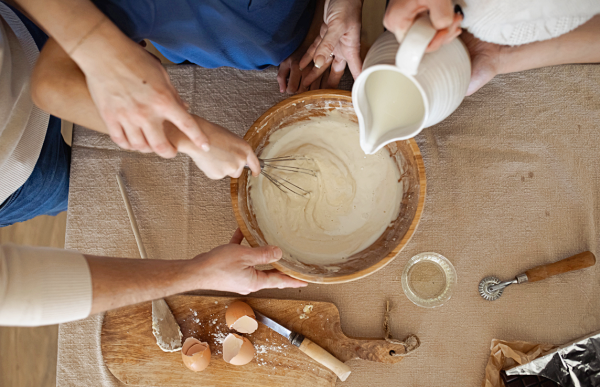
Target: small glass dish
x,y
428,279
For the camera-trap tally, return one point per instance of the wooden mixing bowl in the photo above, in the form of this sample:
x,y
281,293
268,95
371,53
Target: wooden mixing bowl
x,y
406,154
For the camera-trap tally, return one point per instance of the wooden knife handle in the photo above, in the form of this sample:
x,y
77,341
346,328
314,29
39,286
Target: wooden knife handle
x,y
328,360
576,262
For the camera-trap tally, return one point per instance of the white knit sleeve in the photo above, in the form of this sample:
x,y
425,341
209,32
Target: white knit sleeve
x,y
43,286
516,22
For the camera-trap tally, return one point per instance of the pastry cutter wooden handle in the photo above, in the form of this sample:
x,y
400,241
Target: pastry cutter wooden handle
x,y
491,288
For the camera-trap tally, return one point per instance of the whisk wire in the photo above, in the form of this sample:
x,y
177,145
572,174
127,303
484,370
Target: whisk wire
x,y
288,168
283,184
276,180
285,158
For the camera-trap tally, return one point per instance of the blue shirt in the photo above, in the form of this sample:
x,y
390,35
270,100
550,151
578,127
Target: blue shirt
x,y
245,34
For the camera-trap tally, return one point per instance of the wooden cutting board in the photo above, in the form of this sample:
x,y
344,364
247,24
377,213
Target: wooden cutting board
x,y
131,353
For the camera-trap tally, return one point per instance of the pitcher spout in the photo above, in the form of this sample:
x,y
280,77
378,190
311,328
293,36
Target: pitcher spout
x,y
371,143
369,147
389,105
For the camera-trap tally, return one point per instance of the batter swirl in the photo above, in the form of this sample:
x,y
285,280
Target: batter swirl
x,y
352,200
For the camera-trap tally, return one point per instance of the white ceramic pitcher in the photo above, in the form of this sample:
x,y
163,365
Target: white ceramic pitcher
x,y
402,90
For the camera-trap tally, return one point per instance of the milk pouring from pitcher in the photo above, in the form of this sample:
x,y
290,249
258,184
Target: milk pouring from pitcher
x,y
402,90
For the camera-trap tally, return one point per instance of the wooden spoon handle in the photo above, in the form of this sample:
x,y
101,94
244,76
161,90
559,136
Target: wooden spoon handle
x,y
328,360
134,226
576,262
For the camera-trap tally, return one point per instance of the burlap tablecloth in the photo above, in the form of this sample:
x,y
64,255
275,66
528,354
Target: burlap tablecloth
x,y
513,182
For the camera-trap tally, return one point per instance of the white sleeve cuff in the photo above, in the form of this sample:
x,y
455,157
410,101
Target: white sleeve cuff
x,y
43,286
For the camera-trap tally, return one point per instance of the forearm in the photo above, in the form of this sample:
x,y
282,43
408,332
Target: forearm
x,y
78,26
59,87
42,286
581,45
118,282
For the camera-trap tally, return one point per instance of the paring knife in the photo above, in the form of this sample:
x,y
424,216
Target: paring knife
x,y
308,347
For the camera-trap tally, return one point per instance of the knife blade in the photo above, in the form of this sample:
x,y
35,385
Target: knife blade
x,y
293,337
308,347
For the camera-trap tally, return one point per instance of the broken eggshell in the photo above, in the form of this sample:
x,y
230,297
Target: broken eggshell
x,y
237,350
241,317
195,354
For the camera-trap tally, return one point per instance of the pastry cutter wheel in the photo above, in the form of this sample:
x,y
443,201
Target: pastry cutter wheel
x,y
491,288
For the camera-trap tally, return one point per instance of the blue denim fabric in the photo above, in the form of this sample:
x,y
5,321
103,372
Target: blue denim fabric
x,y
46,191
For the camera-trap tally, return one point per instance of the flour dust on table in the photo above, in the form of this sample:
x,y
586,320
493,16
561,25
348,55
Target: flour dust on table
x,y
353,197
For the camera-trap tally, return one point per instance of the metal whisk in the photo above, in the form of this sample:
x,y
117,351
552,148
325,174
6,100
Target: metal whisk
x,y
284,184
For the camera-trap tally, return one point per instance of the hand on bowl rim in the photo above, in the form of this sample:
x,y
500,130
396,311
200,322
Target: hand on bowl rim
x,y
231,268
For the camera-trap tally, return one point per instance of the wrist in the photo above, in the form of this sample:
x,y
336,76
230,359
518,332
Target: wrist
x,y
106,38
505,63
193,276
182,275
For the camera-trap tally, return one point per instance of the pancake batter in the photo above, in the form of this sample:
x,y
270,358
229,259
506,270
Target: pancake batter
x,y
352,200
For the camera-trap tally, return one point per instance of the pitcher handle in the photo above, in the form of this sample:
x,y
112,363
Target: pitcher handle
x,y
414,45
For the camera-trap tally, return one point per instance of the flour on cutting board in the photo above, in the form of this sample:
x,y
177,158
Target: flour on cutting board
x,y
263,349
221,331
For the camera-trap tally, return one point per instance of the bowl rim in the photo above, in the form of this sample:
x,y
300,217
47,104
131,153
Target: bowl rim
x,y
346,95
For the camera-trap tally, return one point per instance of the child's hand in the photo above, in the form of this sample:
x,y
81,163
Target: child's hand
x,y
291,78
338,43
228,154
290,75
